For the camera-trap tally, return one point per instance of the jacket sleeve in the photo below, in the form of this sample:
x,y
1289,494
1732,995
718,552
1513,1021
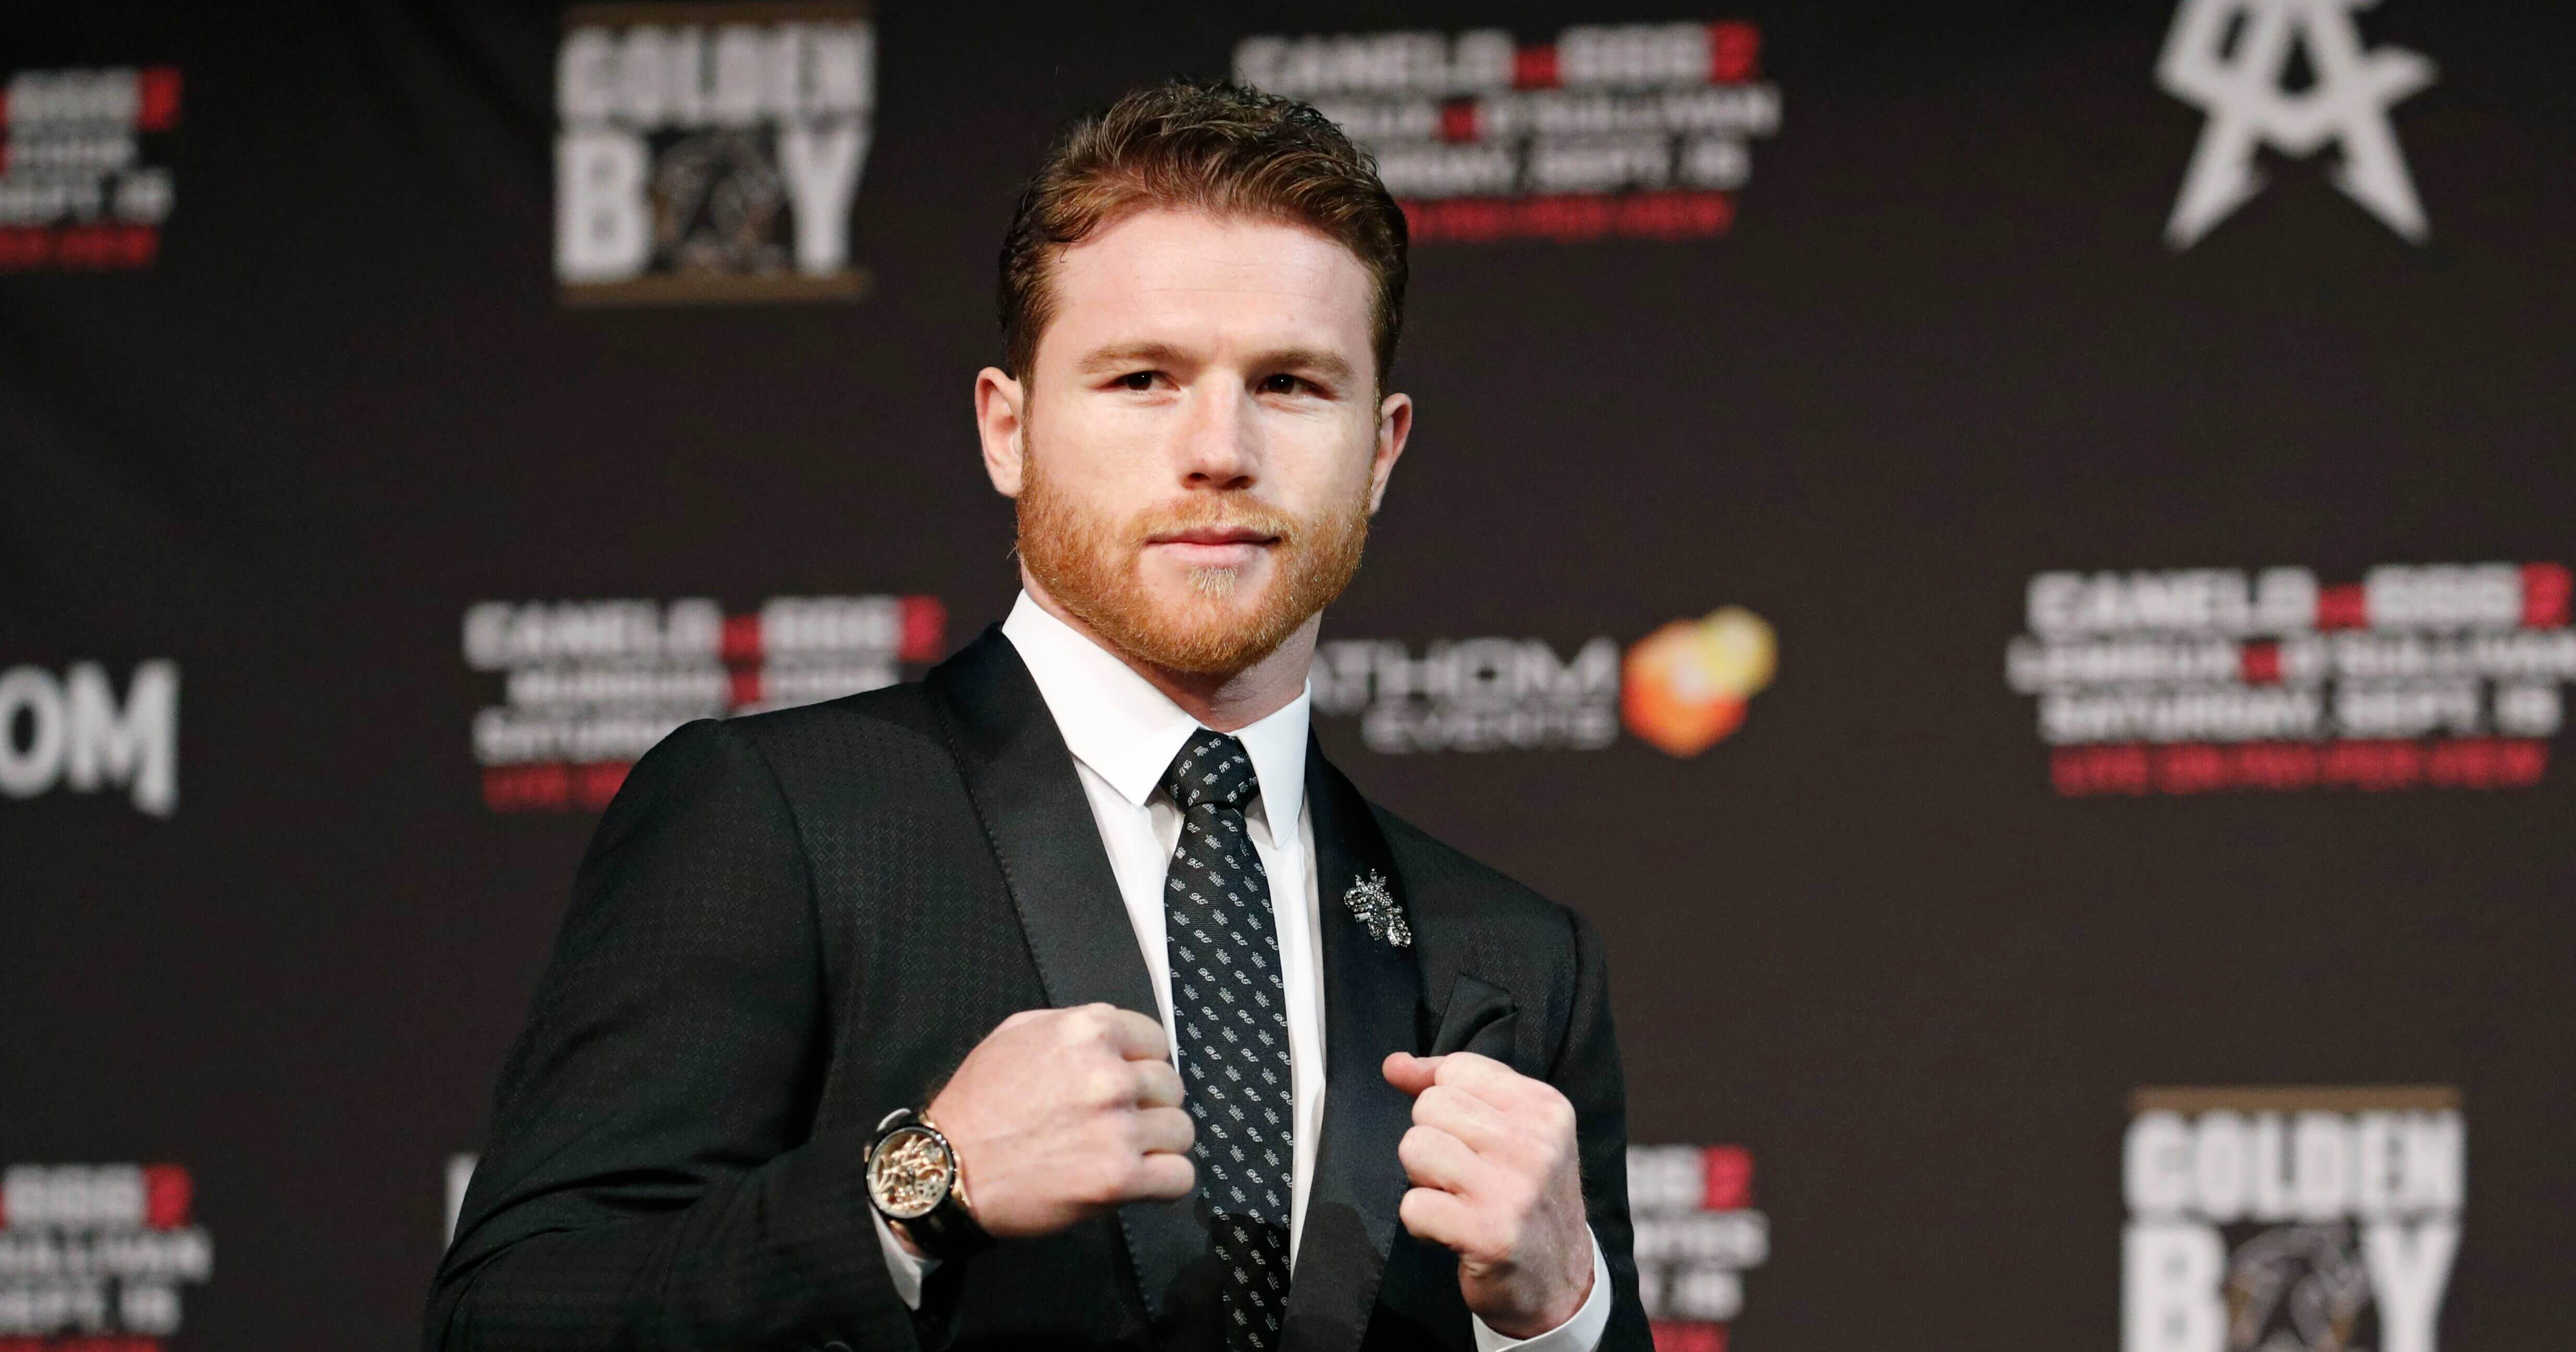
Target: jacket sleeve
x,y
1586,1071
649,1183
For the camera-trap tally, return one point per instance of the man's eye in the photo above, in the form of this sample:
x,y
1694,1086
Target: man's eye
x,y
1282,384
1137,380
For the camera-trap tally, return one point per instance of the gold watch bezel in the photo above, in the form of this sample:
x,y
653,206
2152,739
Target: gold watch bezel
x,y
910,1172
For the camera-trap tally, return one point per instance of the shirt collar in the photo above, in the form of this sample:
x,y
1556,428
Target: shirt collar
x,y
1116,722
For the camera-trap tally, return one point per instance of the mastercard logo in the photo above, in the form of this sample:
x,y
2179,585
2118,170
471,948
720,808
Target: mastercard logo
x,y
1685,686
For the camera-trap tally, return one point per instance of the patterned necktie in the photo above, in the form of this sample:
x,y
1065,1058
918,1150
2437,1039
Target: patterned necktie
x,y
1232,1016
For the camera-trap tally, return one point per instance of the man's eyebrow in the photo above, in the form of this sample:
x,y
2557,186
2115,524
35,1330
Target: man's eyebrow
x,y
1134,354
1330,365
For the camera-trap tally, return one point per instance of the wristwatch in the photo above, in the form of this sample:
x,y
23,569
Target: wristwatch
x,y
914,1182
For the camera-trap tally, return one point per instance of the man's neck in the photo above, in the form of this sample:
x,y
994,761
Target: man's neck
x,y
1220,703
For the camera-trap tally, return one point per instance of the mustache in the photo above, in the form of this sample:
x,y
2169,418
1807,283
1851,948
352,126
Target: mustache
x,y
1248,514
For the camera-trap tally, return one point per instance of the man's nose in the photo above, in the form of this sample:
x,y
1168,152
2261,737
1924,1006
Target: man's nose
x,y
1219,445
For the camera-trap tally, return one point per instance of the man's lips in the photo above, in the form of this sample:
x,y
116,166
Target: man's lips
x,y
1213,546
1215,535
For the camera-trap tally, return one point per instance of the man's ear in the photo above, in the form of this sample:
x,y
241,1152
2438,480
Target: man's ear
x,y
1001,420
1394,425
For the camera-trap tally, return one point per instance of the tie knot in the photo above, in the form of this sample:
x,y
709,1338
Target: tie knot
x,y
1212,770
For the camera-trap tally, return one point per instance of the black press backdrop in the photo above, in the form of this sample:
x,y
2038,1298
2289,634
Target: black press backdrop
x,y
1881,936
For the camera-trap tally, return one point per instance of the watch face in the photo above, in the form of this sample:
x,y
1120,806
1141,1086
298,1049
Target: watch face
x,y
909,1173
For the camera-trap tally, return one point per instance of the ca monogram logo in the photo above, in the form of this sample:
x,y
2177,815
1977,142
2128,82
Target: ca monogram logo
x,y
2231,59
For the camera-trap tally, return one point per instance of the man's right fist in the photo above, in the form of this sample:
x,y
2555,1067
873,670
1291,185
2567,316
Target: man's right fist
x,y
1061,1114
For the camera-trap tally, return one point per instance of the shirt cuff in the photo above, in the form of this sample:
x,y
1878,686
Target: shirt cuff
x,y
1582,1333
908,1268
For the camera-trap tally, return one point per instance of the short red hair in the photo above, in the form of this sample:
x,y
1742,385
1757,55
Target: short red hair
x,y
1218,148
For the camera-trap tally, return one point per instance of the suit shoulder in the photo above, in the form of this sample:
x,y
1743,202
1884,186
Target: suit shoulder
x,y
894,713
875,740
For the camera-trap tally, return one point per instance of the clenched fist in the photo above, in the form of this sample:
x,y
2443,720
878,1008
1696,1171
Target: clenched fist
x,y
1061,1114
1496,1180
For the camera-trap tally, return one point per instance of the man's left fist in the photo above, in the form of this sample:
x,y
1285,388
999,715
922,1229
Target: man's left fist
x,y
1497,1182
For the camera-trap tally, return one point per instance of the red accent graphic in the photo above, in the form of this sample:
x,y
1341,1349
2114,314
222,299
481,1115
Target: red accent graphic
x,y
1680,1337
543,787
2545,588
2368,766
925,629
2260,663
168,1194
1734,51
156,91
741,642
1534,68
552,786
2087,771
1727,1177
746,686
1571,219
599,782
79,248
1458,120
2343,607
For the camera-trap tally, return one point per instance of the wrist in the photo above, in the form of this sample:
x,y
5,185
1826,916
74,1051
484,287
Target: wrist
x,y
1552,1303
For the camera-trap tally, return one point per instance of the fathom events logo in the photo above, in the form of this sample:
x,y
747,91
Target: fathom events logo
x,y
1681,689
97,1249
588,686
2206,680
1697,1235
2232,59
72,731
2290,1220
79,191
1609,130
711,152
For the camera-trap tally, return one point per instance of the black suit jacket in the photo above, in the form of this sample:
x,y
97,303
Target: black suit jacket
x,y
791,923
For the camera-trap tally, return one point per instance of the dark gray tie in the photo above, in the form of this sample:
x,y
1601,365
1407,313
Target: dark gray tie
x,y
1232,1016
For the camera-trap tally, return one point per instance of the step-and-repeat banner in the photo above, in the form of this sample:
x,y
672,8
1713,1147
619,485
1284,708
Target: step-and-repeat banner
x,y
2015,559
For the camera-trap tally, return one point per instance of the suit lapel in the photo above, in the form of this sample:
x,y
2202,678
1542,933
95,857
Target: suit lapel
x,y
1372,998
1030,801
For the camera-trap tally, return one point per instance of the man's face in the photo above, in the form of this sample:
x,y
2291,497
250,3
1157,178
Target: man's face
x,y
1201,442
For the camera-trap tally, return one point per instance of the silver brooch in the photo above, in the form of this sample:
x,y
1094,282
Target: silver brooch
x,y
1374,906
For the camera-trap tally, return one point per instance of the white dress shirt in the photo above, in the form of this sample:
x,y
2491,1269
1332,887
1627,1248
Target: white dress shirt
x,y
1123,734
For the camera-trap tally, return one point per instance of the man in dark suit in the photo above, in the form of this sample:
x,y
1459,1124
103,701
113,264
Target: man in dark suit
x,y
1070,998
